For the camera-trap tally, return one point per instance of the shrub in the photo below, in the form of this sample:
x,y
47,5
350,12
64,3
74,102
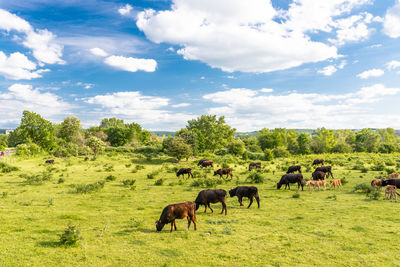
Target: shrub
x,y
296,195
111,178
380,166
374,193
36,179
70,236
255,177
280,152
362,188
159,182
343,181
5,168
61,180
268,155
89,188
128,182
153,174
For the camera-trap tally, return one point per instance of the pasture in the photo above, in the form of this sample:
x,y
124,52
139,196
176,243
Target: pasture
x,y
116,220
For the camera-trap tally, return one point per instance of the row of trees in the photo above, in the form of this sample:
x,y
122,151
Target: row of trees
x,y
203,134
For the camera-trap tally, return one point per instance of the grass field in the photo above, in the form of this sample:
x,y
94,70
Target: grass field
x,y
117,222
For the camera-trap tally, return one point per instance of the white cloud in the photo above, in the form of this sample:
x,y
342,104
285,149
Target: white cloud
x,y
394,64
370,73
266,90
98,52
131,64
391,21
328,70
149,111
181,105
125,10
20,97
255,40
247,110
42,42
18,67
375,46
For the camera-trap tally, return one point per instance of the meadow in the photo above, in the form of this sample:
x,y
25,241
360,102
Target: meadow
x,y
116,215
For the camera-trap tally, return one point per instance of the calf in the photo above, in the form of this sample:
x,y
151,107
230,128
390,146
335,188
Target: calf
x,y
395,182
256,165
391,192
318,175
245,191
177,211
336,184
184,171
223,171
376,182
49,161
292,169
325,169
393,175
207,163
319,184
208,196
310,184
291,178
318,161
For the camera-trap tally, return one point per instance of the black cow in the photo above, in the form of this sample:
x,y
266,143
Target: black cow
x,y
256,165
184,171
325,169
205,197
245,191
318,161
50,161
292,169
177,211
395,182
223,171
291,178
318,175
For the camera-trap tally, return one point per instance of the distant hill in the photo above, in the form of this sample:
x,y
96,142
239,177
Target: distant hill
x,y
162,133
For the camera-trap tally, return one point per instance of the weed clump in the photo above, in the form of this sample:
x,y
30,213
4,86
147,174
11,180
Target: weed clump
x,y
70,236
36,179
6,168
296,195
159,182
89,188
111,178
255,177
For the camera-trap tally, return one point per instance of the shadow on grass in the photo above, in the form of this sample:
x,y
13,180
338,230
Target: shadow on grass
x,y
49,244
131,231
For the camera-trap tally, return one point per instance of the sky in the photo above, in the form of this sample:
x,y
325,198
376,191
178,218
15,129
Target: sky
x,y
259,63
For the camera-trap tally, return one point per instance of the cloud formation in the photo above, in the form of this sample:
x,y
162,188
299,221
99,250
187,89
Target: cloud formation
x,y
370,73
17,66
391,21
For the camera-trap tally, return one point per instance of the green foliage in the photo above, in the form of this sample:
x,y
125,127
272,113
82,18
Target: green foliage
x,y
6,168
236,147
255,177
61,180
375,193
3,141
268,155
69,130
280,152
36,179
362,188
128,182
177,148
159,182
111,178
296,195
70,236
96,145
89,188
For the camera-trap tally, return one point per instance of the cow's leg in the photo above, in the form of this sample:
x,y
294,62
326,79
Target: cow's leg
x,y
223,207
258,200
194,221
288,185
172,226
189,221
205,210
251,201
210,207
240,200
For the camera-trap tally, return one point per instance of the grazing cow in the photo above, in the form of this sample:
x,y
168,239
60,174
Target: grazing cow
x,y
336,184
245,191
393,175
318,161
318,175
184,171
310,184
325,169
177,211
208,196
227,171
50,161
256,165
207,163
319,184
291,178
391,192
292,169
395,182
201,162
376,182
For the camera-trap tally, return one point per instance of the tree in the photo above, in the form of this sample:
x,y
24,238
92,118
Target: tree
x,y
236,147
192,137
69,129
3,141
367,141
119,136
215,133
34,128
95,144
323,141
177,148
303,141
111,122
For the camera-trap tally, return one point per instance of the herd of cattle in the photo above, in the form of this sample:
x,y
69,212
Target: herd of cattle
x,y
205,197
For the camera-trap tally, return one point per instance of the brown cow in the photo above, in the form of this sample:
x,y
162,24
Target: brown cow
x,y
310,184
227,171
326,169
318,175
177,211
256,165
205,197
206,163
390,192
318,161
319,184
393,175
336,184
376,182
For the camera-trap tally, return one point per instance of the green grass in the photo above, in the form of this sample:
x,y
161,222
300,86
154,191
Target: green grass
x,y
117,228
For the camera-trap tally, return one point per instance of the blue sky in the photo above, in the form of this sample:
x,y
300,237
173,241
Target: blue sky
x,y
259,63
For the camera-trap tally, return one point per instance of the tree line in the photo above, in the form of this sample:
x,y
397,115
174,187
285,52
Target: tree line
x,y
205,134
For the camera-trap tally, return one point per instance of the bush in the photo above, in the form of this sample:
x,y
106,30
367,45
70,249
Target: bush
x,y
296,195
362,188
128,182
255,177
71,236
380,166
89,188
268,155
343,181
111,178
61,181
374,193
36,179
280,152
159,182
5,168
152,175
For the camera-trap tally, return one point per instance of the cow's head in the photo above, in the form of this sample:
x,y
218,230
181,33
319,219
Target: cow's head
x,y
278,185
215,173
177,174
159,225
232,192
